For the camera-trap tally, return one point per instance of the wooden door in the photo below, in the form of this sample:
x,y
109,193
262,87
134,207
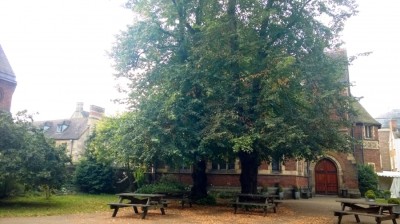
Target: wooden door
x,y
326,177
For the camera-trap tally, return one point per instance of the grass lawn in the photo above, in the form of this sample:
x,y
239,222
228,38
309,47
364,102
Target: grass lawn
x,y
56,205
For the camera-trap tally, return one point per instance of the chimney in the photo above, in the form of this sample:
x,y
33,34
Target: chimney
x,y
79,107
79,113
96,112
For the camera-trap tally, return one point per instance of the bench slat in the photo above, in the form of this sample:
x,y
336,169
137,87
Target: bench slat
x,y
378,217
127,205
337,213
116,207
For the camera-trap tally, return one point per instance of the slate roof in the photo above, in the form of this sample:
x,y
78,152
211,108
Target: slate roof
x,y
363,117
76,127
6,72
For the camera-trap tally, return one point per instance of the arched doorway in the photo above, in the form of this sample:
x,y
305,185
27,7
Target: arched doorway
x,y
326,181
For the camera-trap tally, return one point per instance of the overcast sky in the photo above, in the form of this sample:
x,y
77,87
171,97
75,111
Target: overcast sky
x,y
57,51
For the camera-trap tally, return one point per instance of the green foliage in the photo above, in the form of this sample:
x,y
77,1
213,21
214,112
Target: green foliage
x,y
217,78
139,175
393,201
208,200
370,194
28,157
387,192
367,179
166,184
94,177
226,195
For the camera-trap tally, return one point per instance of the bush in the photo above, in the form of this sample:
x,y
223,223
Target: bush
x,y
393,201
370,194
387,192
94,177
209,200
226,195
367,179
166,184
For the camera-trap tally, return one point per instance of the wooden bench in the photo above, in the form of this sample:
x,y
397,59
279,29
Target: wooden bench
x,y
254,200
116,207
378,217
182,197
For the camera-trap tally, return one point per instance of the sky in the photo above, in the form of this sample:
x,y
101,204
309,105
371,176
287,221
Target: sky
x,y
57,49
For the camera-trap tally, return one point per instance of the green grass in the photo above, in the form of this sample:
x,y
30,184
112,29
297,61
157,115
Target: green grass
x,y
56,205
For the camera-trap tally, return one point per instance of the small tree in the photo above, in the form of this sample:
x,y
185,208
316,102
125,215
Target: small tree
x,y
28,157
367,179
94,177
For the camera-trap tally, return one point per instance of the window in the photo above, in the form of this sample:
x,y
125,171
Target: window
x,y
223,165
368,131
276,165
62,127
47,125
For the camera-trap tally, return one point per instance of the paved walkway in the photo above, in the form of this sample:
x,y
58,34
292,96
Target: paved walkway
x,y
316,210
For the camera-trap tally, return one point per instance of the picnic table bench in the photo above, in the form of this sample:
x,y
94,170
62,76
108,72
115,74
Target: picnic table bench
x,y
380,211
135,200
183,197
248,201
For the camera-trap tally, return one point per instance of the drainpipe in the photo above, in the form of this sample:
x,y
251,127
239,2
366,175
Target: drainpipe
x,y
71,146
362,143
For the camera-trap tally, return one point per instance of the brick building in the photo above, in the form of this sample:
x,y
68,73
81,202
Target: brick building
x,y
7,82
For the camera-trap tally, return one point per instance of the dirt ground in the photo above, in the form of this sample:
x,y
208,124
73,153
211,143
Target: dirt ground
x,y
316,210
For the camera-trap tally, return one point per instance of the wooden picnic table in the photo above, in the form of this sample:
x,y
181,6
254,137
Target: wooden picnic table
x,y
264,201
361,207
181,196
135,200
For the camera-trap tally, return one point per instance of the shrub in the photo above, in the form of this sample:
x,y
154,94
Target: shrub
x,y
393,201
367,178
370,194
226,195
387,192
94,177
208,200
166,184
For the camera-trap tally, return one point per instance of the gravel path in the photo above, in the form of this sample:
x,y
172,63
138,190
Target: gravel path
x,y
317,210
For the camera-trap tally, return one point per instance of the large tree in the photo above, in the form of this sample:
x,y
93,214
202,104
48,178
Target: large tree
x,y
251,78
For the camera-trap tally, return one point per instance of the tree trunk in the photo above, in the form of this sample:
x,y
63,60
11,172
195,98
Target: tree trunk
x,y
199,189
248,177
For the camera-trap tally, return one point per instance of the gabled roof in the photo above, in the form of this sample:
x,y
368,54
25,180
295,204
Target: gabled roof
x,y
6,72
74,128
363,117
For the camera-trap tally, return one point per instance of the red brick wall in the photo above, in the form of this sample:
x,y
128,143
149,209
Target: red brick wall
x,y
290,165
7,90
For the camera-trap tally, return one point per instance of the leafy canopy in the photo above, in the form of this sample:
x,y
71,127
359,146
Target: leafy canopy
x,y
214,78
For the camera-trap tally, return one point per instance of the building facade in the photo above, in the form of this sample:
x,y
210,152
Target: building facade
x,y
8,82
74,131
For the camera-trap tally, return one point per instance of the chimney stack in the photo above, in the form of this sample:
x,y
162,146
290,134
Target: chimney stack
x,y
79,107
96,112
